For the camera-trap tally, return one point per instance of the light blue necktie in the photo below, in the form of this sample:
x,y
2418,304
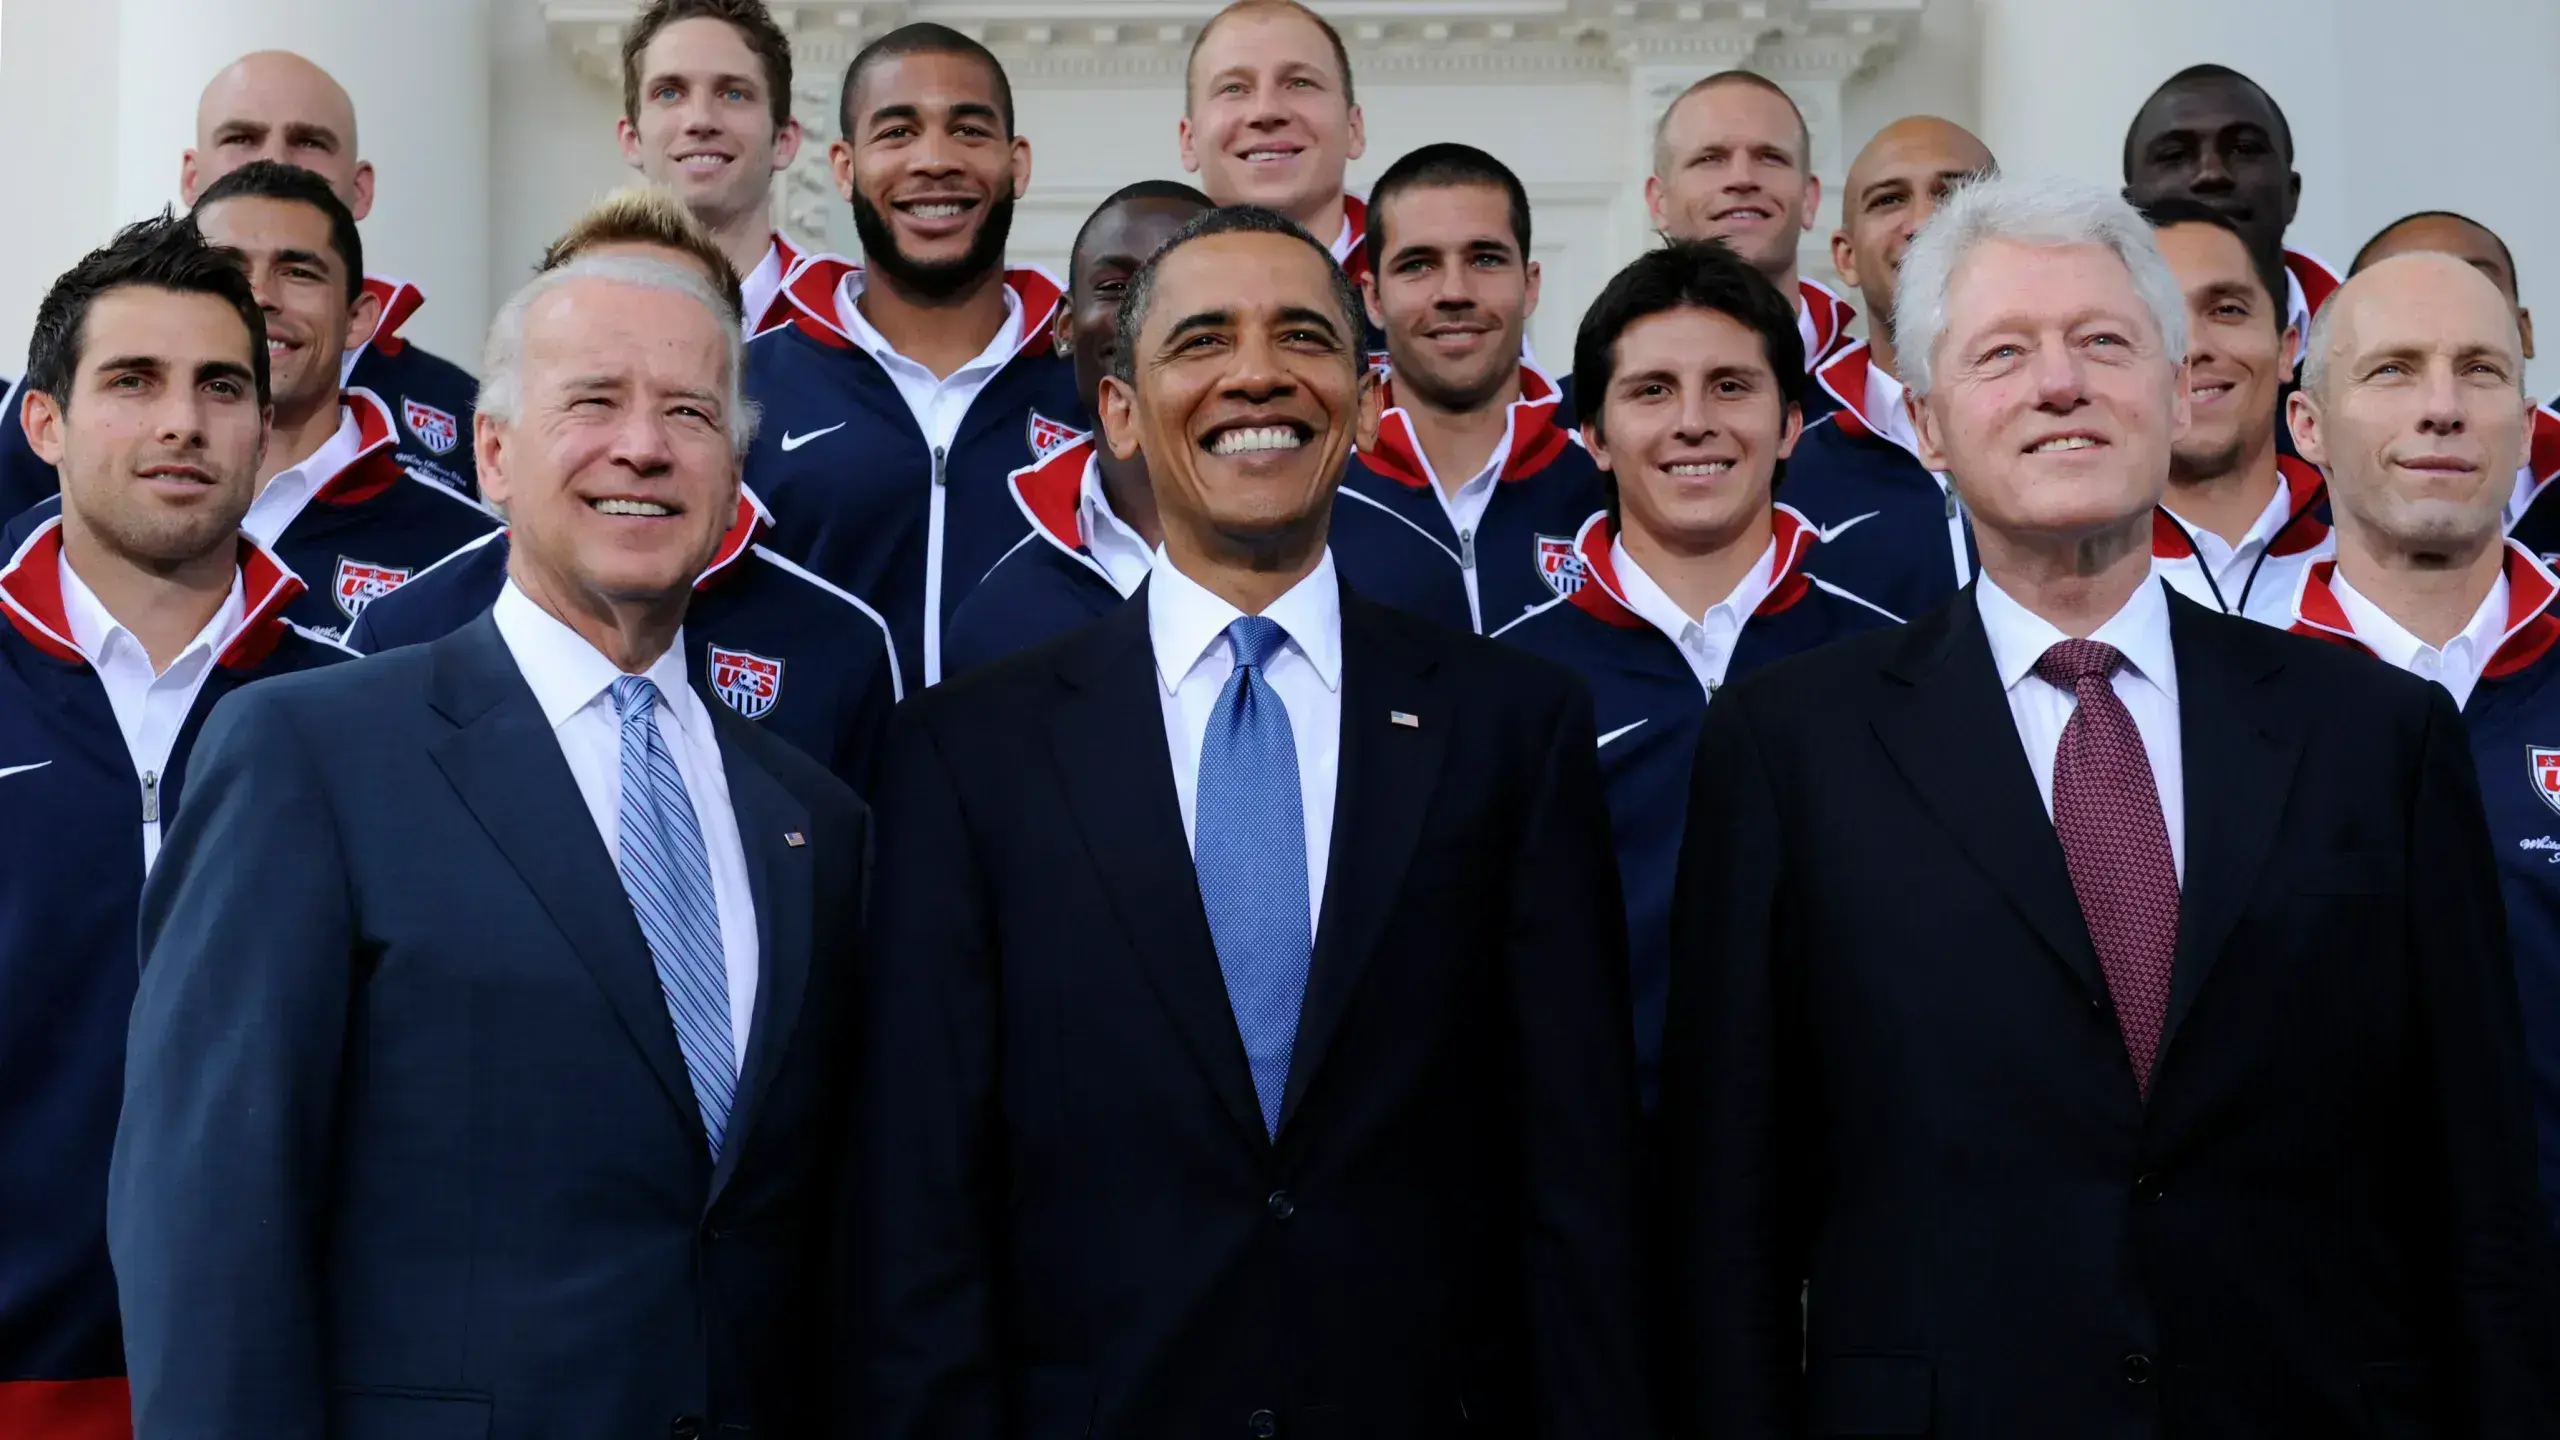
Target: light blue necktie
x,y
668,876
1249,845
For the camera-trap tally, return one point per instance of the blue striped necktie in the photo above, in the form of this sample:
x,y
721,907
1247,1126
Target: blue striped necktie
x,y
1249,846
667,873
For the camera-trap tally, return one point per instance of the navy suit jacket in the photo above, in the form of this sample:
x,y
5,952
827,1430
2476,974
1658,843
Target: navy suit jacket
x,y
1074,1222
408,1147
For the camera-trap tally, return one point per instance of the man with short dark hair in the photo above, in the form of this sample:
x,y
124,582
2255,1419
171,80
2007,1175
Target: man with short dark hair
x,y
908,388
1093,513
1694,576
123,618
1245,1044
1892,528
706,113
333,498
2242,520
1469,457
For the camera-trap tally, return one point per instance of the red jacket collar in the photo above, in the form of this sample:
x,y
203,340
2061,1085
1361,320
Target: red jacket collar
x,y
1603,595
1050,493
777,311
376,465
1531,439
2531,627
2542,457
2303,529
31,595
1355,228
751,522
1830,316
2313,274
811,293
1845,376
400,300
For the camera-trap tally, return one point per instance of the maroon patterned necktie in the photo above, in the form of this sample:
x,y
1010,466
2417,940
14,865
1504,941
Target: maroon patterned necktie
x,y
2106,808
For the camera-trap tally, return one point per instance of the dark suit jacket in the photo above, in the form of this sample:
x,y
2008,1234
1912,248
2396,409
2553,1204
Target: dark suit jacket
x,y
408,1147
1073,1221
1895,1071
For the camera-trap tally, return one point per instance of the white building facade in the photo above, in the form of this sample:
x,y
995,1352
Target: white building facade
x,y
491,122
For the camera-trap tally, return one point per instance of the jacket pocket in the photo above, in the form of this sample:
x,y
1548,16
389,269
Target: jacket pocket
x,y
1869,1394
2399,1400
400,1413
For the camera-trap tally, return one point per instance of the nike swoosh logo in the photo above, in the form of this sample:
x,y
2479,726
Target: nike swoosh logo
x,y
1621,730
23,769
794,442
1827,535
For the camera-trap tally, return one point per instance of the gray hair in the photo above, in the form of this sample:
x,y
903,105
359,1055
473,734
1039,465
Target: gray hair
x,y
502,360
2027,210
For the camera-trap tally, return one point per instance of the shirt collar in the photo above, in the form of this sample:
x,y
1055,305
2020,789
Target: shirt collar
x,y
1106,535
1654,604
2139,631
294,487
859,329
97,632
760,287
1184,619
567,674
1885,410
2392,643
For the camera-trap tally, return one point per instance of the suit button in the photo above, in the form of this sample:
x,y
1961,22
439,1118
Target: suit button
x,y
2137,1369
2149,1189
1280,1206
687,1427
1263,1424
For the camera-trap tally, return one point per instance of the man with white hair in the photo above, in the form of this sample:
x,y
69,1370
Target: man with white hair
x,y
2171,1086
510,1114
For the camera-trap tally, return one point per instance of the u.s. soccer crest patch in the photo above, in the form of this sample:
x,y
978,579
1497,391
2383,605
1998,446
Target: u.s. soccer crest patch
x,y
1558,565
748,684
436,429
1047,437
359,584
2544,762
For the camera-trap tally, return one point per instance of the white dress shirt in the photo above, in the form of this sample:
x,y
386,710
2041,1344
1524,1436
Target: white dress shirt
x,y
573,682
1188,626
2270,600
1125,558
938,402
2147,683
1889,417
2457,665
283,498
756,292
150,706
1705,641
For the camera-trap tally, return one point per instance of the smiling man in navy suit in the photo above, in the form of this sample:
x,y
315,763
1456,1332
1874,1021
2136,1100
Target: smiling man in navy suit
x,y
494,1107
1245,1047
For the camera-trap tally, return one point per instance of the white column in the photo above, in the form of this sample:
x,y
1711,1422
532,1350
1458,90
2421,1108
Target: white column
x,y
419,73
51,56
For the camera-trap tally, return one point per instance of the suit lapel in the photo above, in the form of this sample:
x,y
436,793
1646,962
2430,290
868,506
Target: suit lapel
x,y
504,761
2239,755
1957,745
779,875
1109,745
1387,774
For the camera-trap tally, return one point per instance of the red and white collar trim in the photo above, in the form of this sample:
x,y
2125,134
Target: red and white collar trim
x,y
752,520
811,293
1351,248
1823,319
2313,274
1604,595
1050,493
2541,462
2303,529
400,300
1846,377
375,467
776,310
31,597
2531,626
1531,439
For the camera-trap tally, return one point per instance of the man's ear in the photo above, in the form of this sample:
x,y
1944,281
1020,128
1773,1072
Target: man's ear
x,y
188,183
362,205
1062,331
40,415
1369,301
1373,408
2289,345
2524,329
840,161
1924,430
786,145
629,136
1597,444
1844,258
489,456
1812,201
363,320
1119,417
2302,417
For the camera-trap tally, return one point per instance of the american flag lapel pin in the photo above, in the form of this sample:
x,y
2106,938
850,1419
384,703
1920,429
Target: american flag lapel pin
x,y
794,839
1405,718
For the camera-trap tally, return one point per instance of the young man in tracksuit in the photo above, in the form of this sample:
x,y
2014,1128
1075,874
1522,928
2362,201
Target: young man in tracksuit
x,y
2242,520
1692,577
1092,513
1892,528
1469,458
907,389
2413,400
122,621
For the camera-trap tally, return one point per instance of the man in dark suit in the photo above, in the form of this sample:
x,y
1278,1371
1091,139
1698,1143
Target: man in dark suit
x,y
493,1097
2090,1014
1245,1046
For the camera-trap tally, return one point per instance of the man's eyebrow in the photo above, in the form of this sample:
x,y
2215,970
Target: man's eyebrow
x,y
225,370
121,364
1304,315
1199,320
239,130
300,132
303,257
2230,290
899,111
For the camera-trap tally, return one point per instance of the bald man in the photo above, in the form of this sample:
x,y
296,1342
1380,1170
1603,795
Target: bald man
x,y
1893,530
2413,399
2533,508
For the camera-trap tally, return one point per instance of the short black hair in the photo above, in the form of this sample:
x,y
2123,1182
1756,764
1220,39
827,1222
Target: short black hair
x,y
1683,275
2457,217
922,38
1229,220
275,180
2267,261
1332,37
1442,166
2204,74
1173,190
164,253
